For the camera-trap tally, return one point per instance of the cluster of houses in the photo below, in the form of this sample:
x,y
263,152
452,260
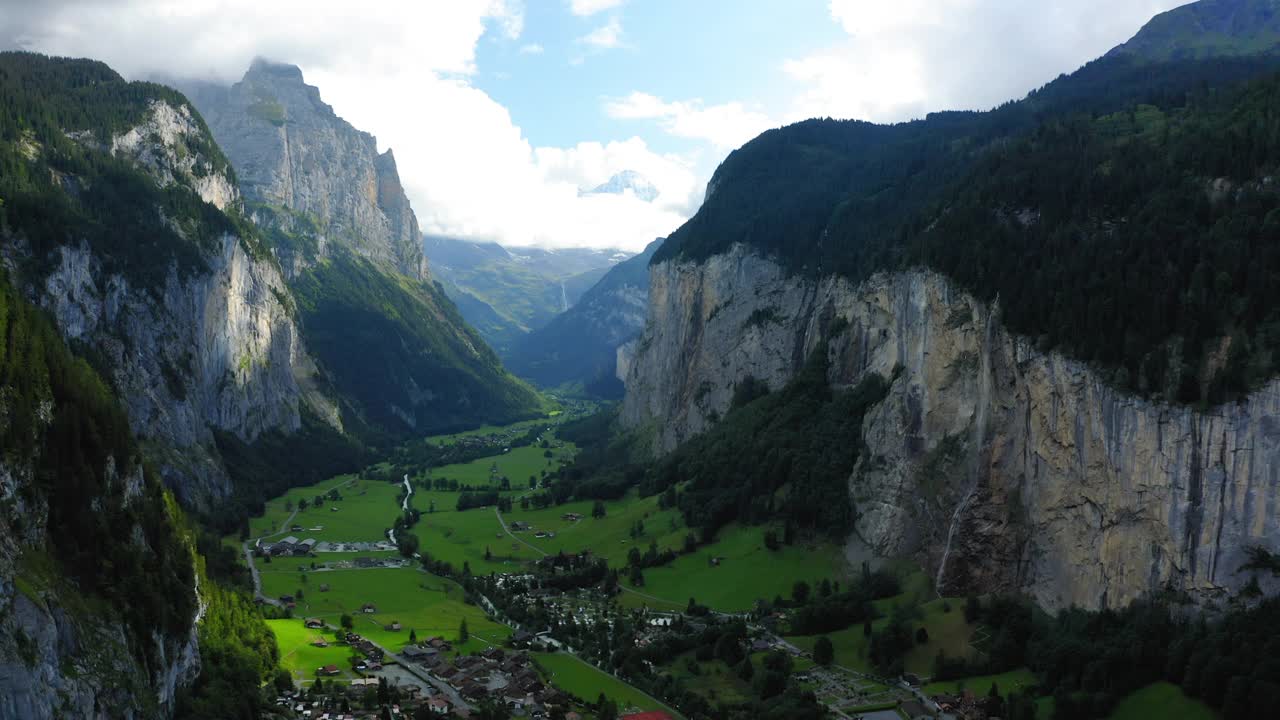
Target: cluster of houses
x,y
289,547
965,706
509,678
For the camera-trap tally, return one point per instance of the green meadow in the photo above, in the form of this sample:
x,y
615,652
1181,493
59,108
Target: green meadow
x,y
587,682
1018,680
300,657
747,571
1164,701
608,537
425,603
463,537
366,510
517,465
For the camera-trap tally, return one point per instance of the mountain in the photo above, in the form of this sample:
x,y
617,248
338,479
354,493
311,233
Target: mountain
x,y
508,292
290,150
142,318
624,182
1066,299
581,344
393,348
1211,28
123,221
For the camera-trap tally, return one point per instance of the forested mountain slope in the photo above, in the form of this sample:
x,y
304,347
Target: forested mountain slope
x,y
1061,292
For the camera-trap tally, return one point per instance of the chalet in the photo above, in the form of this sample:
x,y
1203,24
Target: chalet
x,y
320,643
328,670
308,545
368,608
439,705
392,627
521,636
314,623
413,652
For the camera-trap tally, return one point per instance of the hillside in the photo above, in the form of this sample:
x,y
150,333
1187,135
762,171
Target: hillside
x,y
122,218
581,345
1210,28
506,293
1062,293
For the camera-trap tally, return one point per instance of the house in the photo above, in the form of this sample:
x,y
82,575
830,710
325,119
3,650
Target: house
x,y
320,643
521,636
328,670
519,526
314,623
368,608
309,544
439,705
365,682
413,652
291,540
324,587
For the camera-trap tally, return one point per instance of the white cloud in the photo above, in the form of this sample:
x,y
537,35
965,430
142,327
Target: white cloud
x,y
909,57
725,126
605,37
531,49
405,74
584,8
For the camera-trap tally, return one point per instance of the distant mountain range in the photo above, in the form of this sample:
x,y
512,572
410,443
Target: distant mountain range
x,y
581,345
507,292
626,180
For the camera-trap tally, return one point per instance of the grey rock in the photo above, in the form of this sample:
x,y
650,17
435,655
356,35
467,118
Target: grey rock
x,y
1067,489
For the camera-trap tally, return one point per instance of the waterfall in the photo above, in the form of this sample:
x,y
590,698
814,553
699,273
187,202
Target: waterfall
x,y
976,442
564,298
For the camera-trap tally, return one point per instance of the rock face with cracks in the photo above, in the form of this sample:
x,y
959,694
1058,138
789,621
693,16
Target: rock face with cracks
x,y
1000,467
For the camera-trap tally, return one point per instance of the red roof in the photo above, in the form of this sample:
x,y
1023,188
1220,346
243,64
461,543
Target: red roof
x,y
652,715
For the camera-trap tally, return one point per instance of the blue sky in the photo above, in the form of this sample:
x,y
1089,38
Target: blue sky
x,y
670,48
495,142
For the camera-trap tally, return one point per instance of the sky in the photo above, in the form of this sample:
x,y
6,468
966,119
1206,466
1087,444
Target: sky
x,y
504,114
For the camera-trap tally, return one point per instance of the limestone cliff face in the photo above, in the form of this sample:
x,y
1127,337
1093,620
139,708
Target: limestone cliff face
x,y
219,351
995,464
212,350
291,150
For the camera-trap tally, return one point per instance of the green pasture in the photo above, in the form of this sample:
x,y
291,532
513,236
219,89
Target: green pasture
x,y
587,682
1162,700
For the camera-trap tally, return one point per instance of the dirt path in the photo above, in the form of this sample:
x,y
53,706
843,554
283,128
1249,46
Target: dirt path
x,y
513,536
284,527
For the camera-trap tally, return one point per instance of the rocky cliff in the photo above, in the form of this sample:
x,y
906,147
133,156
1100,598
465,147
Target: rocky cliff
x,y
202,344
291,150
65,655
998,466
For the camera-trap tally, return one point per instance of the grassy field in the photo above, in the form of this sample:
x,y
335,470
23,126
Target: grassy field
x,y
516,428
578,678
366,510
747,572
517,465
298,656
1019,680
458,537
418,601
608,537
1162,700
715,681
